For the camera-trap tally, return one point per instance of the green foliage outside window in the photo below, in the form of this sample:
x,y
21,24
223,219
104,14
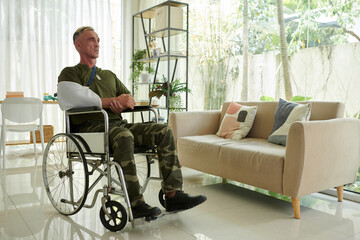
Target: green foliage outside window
x,y
293,99
216,35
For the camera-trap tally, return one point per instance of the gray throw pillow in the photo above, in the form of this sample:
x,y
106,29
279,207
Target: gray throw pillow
x,y
286,113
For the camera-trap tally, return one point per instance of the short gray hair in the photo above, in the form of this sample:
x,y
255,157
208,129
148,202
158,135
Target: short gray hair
x,y
80,30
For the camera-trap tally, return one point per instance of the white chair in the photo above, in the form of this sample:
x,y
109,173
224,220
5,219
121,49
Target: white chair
x,y
24,111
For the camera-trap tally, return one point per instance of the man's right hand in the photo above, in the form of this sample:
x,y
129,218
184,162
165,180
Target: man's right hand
x,y
116,107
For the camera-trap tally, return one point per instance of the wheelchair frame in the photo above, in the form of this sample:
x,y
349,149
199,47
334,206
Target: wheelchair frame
x,y
66,162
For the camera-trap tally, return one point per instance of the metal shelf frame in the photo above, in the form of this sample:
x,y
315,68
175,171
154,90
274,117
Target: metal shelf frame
x,y
146,16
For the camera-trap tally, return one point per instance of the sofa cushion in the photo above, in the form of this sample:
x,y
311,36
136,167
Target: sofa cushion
x,y
236,160
287,113
255,162
237,121
202,152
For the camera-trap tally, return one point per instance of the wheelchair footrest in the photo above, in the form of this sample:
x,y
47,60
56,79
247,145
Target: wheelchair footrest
x,y
144,220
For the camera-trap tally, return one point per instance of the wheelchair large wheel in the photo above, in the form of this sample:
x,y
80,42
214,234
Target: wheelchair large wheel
x,y
65,174
118,215
143,169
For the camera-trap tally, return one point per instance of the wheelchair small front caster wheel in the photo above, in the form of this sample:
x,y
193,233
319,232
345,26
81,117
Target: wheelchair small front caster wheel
x,y
118,215
162,198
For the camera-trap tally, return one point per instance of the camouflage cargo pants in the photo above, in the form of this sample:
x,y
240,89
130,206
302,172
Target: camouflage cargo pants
x,y
123,137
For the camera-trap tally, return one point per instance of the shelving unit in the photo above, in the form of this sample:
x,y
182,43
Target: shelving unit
x,y
168,56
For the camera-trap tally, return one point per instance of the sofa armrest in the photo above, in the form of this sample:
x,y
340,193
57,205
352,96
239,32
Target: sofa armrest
x,y
194,123
321,155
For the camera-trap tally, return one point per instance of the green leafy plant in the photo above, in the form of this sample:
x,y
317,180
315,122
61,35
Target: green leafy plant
x,y
175,88
161,89
139,67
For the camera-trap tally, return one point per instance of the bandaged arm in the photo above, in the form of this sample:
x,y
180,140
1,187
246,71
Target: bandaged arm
x,y
73,95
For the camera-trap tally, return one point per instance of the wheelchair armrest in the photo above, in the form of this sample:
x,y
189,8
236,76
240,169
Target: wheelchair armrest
x,y
86,110
142,108
83,109
95,109
139,108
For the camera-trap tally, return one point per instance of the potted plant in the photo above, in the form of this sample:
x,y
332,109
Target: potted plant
x,y
176,87
140,67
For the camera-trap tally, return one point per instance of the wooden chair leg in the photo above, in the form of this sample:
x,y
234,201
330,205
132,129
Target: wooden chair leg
x,y
296,206
340,193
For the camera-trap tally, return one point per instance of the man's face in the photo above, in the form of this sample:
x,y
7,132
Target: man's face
x,y
87,44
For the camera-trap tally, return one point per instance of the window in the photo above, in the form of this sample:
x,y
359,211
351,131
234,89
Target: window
x,y
323,40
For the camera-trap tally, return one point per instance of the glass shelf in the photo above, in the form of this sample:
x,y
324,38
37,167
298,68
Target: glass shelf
x,y
162,58
150,12
143,83
164,32
148,83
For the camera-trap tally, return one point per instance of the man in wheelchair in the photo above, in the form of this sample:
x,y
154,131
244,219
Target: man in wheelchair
x,y
86,85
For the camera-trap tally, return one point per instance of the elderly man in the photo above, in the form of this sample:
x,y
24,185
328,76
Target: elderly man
x,y
86,85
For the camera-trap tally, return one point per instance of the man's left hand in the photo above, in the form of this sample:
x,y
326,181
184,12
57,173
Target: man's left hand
x,y
122,102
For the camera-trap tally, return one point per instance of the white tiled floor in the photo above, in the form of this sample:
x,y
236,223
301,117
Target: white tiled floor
x,y
231,212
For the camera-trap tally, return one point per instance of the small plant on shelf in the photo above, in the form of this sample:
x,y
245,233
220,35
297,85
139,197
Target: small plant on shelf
x,y
140,67
176,87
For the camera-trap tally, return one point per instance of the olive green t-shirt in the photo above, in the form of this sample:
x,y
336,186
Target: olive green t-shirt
x,y
105,84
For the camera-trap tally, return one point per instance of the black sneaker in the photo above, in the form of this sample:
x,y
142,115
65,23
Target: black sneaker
x,y
183,201
144,210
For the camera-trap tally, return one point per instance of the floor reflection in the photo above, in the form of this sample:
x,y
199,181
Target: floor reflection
x,y
233,211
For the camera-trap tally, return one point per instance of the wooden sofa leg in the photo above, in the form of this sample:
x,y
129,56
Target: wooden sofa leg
x,y
224,180
296,206
340,193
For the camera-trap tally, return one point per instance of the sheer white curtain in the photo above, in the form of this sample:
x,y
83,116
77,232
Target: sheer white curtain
x,y
36,43
128,8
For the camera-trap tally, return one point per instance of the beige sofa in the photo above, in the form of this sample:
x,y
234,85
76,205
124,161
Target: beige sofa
x,y
320,154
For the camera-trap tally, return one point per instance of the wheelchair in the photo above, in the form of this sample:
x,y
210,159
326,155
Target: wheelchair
x,y
70,158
